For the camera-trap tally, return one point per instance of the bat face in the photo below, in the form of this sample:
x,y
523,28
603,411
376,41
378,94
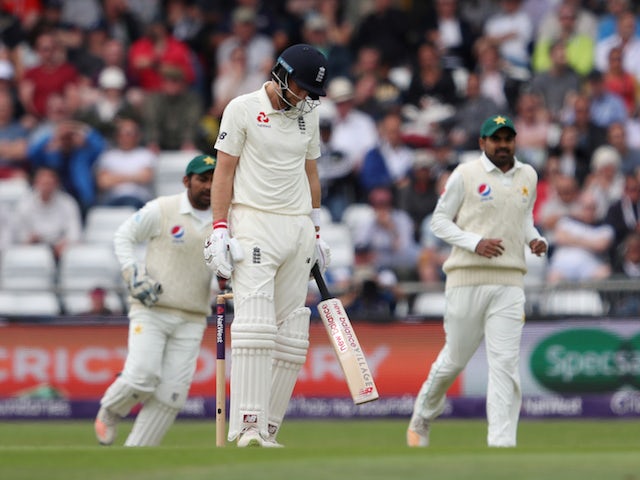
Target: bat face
x,y
347,347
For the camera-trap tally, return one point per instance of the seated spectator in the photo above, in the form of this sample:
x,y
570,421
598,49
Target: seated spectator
x,y
371,298
581,245
107,103
389,163
390,236
624,214
562,199
531,120
624,37
629,156
590,135
606,181
98,297
606,107
512,31
418,196
53,74
13,141
124,173
627,267
619,81
557,83
337,179
47,215
172,114
71,149
156,48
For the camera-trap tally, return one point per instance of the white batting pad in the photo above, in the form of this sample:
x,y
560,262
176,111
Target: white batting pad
x,y
121,397
292,343
151,425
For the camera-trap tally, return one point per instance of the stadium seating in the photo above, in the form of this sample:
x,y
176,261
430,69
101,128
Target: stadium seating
x,y
169,171
356,215
29,303
429,304
12,190
75,303
572,302
86,266
28,267
102,222
338,237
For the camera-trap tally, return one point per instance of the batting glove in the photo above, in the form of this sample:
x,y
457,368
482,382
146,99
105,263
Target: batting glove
x,y
323,253
141,286
220,251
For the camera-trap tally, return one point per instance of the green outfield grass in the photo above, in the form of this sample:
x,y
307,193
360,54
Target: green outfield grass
x,y
354,450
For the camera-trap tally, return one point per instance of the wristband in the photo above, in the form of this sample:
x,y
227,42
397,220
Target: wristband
x,y
220,224
315,216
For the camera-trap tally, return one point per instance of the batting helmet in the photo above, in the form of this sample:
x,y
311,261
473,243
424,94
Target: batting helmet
x,y
306,65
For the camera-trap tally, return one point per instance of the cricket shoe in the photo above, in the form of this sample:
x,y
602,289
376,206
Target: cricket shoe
x,y
106,426
250,437
418,432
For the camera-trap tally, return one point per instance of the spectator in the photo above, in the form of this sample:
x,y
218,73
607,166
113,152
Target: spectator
x,y
8,85
586,21
630,157
607,21
156,49
388,29
316,32
418,196
171,115
389,163
13,141
532,124
390,236
53,74
47,214
339,26
120,22
512,31
124,173
489,67
354,132
430,79
98,305
471,112
107,103
259,48
557,83
619,81
372,298
337,178
627,267
561,201
624,214
579,47
452,34
606,181
234,78
71,149
625,38
581,245
590,134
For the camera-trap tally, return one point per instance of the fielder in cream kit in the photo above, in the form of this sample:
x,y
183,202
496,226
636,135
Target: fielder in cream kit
x,y
266,201
170,297
485,213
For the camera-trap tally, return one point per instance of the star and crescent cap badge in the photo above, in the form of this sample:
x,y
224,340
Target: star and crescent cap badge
x,y
500,120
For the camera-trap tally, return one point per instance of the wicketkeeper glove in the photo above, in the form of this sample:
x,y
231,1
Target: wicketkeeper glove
x,y
220,251
141,286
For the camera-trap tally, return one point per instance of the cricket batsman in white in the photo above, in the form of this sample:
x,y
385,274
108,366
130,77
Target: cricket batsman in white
x,y
486,214
266,201
170,297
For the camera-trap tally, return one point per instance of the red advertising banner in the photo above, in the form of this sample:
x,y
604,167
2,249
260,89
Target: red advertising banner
x,y
80,361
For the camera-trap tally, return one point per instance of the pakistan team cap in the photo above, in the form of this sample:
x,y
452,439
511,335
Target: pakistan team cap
x,y
492,124
201,164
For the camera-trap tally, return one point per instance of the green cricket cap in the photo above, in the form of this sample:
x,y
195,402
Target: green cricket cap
x,y
201,164
492,124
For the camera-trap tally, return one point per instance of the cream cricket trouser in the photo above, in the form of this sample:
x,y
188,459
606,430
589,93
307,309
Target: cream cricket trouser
x,y
163,348
495,313
270,288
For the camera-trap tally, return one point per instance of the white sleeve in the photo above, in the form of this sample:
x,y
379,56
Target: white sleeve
x,y
442,223
138,228
530,231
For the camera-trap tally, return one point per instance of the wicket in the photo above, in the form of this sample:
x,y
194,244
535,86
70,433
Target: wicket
x,y
221,380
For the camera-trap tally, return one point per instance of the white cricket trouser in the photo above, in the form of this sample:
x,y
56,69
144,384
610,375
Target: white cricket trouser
x,y
269,286
495,313
163,348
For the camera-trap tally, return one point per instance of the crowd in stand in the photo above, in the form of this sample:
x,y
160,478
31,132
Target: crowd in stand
x,y
92,91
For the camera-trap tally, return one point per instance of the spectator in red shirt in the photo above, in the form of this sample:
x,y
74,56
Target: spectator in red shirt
x,y
158,47
54,74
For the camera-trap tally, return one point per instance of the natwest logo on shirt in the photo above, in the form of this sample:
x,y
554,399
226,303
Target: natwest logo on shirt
x,y
262,119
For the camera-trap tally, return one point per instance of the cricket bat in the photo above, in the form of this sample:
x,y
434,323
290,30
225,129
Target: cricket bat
x,y
346,345
221,379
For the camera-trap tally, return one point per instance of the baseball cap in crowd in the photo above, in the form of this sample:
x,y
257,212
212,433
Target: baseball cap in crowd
x,y
201,164
112,78
340,90
494,123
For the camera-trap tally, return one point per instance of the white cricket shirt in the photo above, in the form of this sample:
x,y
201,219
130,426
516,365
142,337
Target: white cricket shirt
x,y
272,150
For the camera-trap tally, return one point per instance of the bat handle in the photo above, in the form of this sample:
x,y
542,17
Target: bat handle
x,y
322,286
